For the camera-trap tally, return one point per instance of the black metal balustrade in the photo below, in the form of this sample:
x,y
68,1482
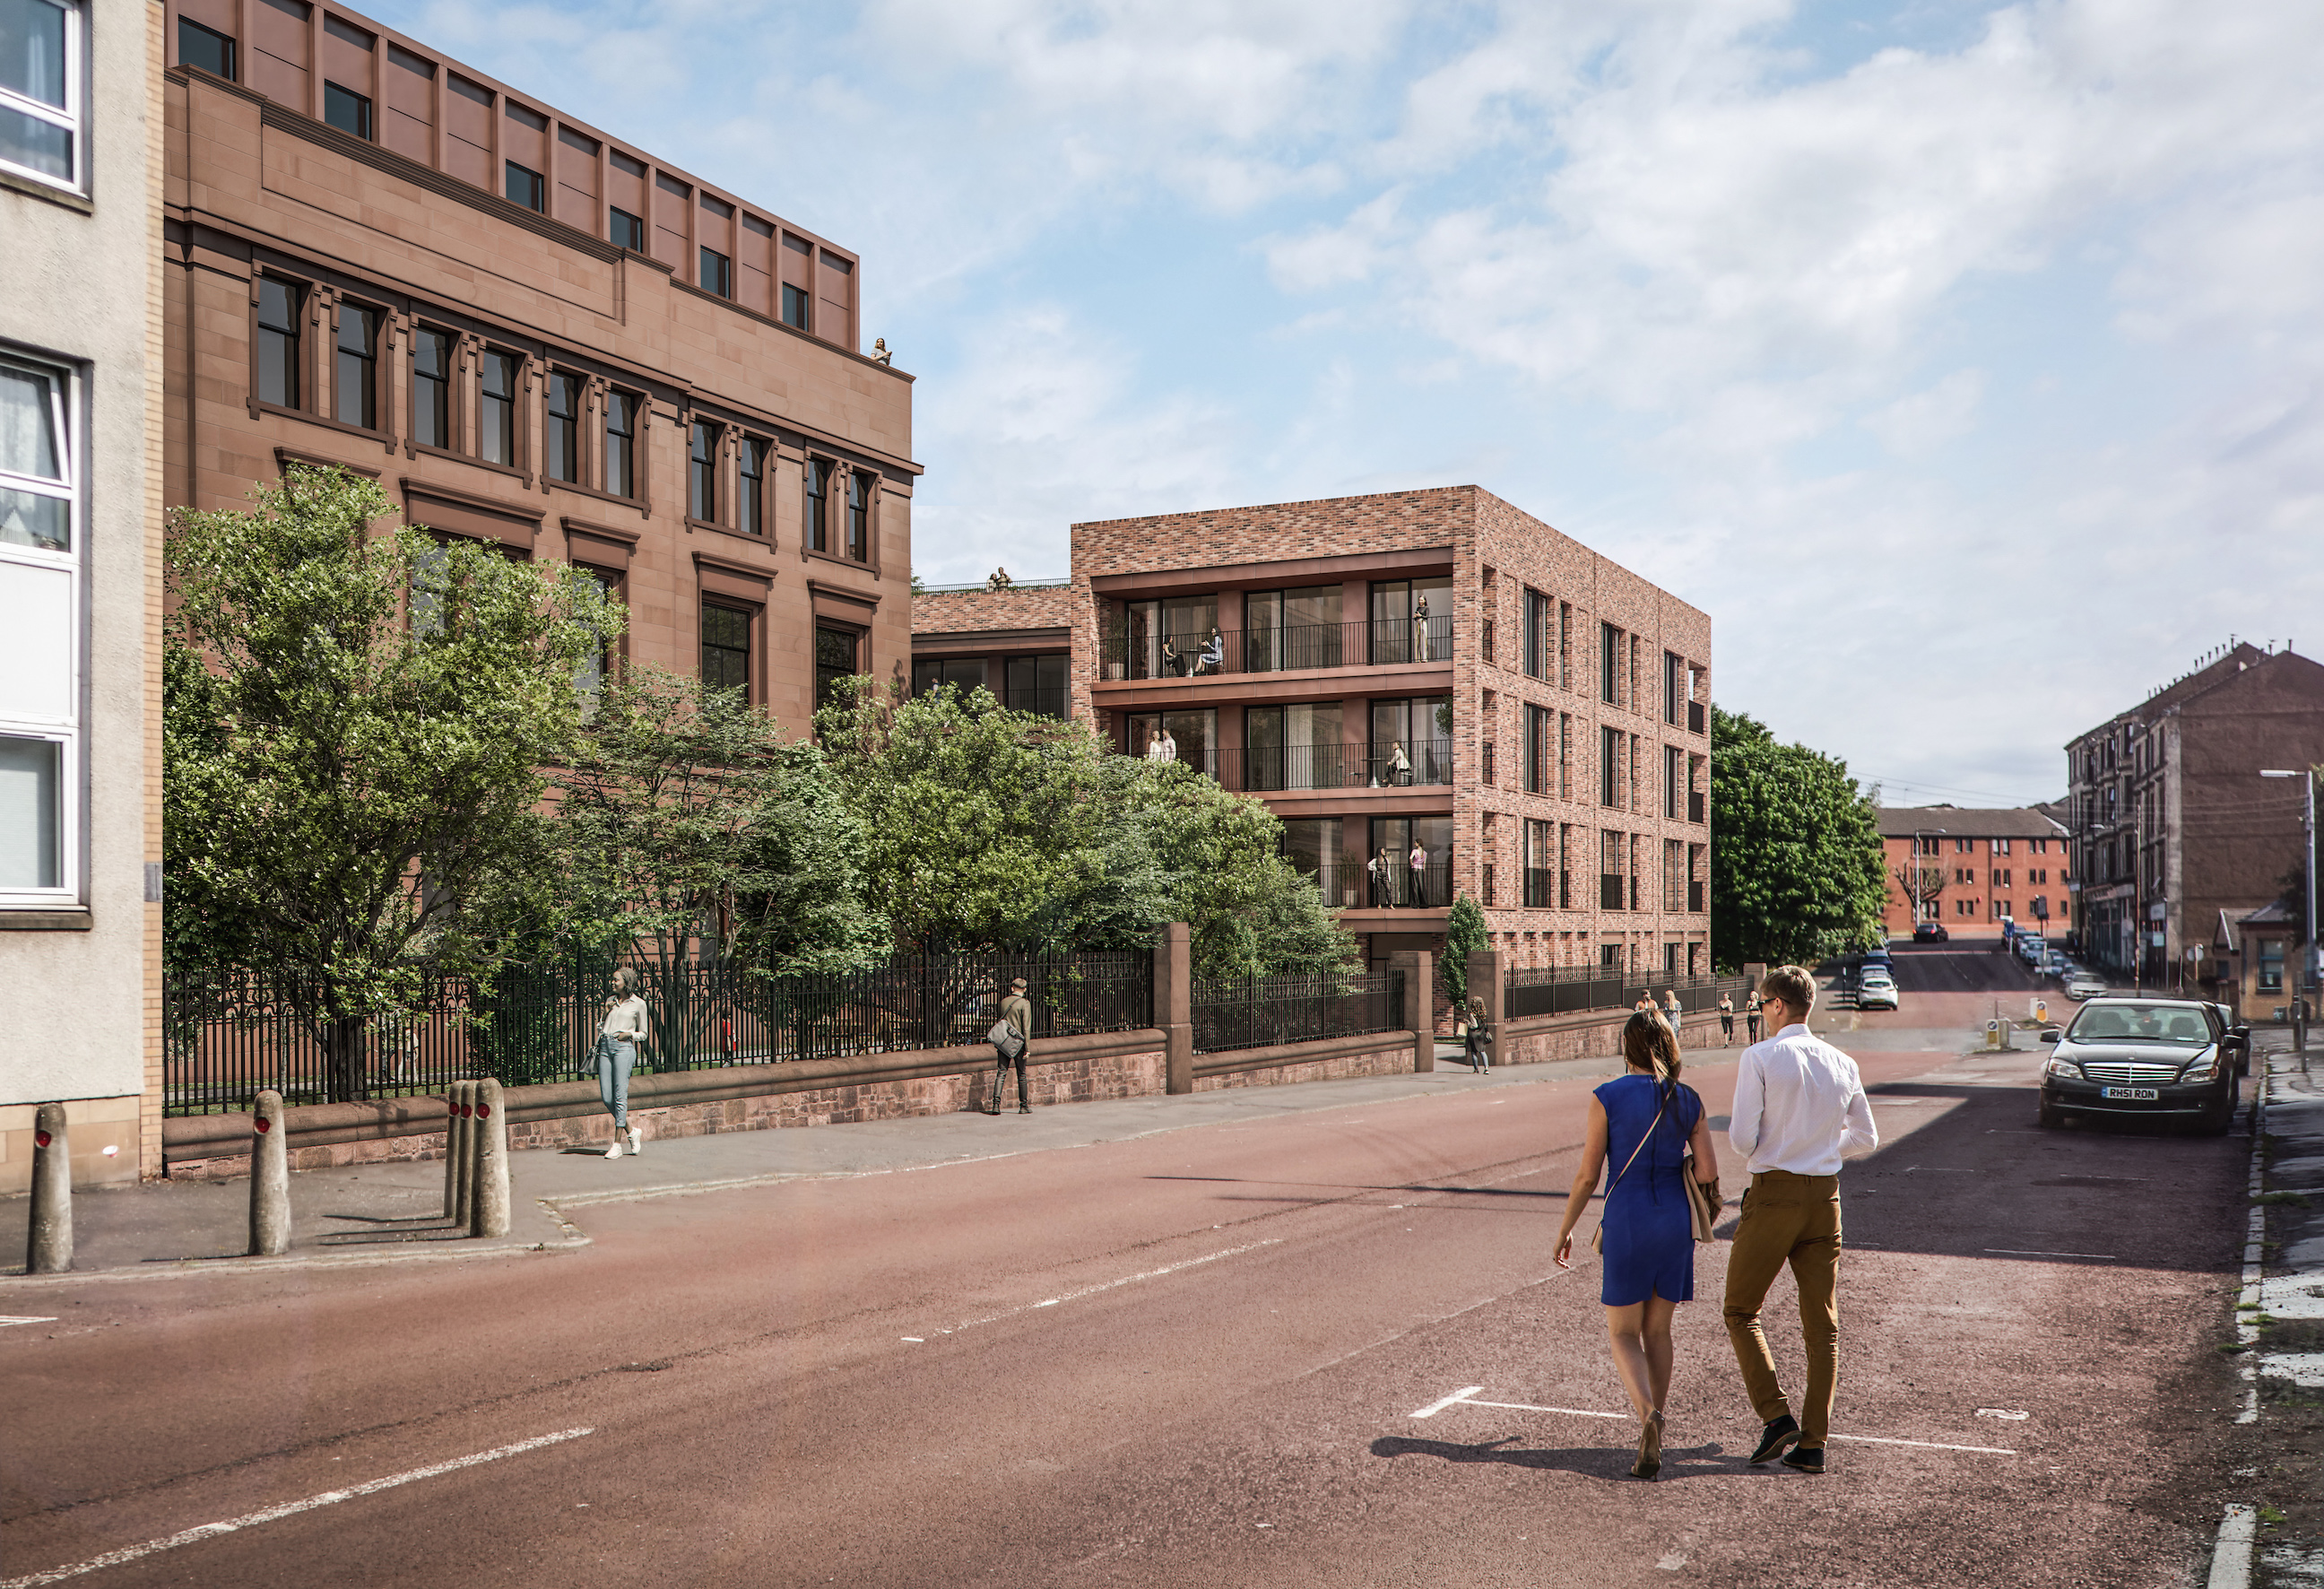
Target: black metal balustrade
x,y
1380,764
1386,643
1263,1011
1559,990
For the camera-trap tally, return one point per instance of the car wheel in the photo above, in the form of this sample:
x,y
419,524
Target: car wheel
x,y
2216,1123
2051,1116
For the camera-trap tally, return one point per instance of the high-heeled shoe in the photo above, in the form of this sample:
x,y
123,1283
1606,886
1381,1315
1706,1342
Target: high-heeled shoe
x,y
1650,1446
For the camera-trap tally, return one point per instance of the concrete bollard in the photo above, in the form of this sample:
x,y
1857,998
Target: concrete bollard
x,y
489,1209
464,1201
50,1250
270,1178
452,1178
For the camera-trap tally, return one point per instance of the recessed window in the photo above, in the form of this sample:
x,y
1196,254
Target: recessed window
x,y
348,110
702,472
355,400
40,88
795,306
347,31
621,442
39,587
36,492
524,116
417,65
625,230
561,436
496,411
717,273
834,660
206,48
751,485
818,475
525,187
32,838
278,342
431,387
725,648
629,165
859,515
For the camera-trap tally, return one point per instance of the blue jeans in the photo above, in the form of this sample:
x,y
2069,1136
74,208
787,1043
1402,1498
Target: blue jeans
x,y
615,1058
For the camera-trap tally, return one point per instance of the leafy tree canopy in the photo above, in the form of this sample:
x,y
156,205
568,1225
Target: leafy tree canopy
x,y
1797,869
986,828
1464,934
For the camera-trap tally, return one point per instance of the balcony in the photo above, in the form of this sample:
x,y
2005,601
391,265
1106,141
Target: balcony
x,y
1285,769
1349,885
1366,644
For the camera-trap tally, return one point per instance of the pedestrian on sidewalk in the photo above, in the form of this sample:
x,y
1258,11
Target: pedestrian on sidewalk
x,y
1726,1020
1799,1109
1475,1039
1671,1011
618,1039
1647,1121
1012,1046
1751,1015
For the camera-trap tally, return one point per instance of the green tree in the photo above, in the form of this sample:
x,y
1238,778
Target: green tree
x,y
987,829
1464,934
1797,869
353,729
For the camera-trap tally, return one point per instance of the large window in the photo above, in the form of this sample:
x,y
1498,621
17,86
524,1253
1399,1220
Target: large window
x,y
497,409
1038,683
525,187
1412,740
355,400
965,674
40,573
1171,638
717,273
562,435
1609,766
1538,778
751,485
348,110
40,44
818,475
702,471
432,388
834,660
725,648
795,306
1412,621
1540,867
1674,783
1609,663
1189,737
278,341
1296,747
621,443
625,230
1537,634
859,515
206,48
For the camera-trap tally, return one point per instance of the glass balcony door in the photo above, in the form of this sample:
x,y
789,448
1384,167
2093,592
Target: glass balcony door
x,y
1296,746
1288,628
1412,621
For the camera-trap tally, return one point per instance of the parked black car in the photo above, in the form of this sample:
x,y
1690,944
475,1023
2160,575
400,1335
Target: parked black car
x,y
1930,932
2163,1059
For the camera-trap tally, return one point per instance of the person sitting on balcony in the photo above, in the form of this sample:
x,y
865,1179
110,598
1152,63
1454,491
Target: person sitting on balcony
x,y
1215,653
1400,766
1172,661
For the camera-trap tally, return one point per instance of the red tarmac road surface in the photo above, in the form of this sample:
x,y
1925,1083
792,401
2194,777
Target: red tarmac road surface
x,y
1190,1358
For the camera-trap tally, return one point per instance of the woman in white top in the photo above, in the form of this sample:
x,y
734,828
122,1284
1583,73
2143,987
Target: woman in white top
x,y
617,1051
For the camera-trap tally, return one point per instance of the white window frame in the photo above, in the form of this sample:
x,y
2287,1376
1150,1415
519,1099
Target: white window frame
x,y
74,117
70,414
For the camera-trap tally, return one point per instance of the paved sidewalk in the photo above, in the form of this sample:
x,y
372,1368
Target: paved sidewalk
x,y
394,1212
2280,1315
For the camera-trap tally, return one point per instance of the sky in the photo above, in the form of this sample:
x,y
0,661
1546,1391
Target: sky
x,y
1963,362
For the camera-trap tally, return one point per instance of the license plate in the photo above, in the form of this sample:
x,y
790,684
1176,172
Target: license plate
x,y
2136,1094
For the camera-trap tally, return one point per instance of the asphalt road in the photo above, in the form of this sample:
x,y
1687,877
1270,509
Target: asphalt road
x,y
1191,1358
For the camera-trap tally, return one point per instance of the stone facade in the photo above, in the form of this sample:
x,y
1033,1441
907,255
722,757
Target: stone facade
x,y
471,322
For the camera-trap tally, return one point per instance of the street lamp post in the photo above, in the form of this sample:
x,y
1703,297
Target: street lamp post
x,y
2308,925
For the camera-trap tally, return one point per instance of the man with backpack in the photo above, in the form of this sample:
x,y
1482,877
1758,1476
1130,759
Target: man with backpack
x,y
1011,1039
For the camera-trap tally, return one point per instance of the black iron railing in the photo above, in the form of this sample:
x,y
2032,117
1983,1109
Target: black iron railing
x,y
1381,764
1558,990
230,1036
1262,1011
1385,643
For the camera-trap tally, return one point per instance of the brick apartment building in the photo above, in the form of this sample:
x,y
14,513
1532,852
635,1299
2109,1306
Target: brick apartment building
x,y
2174,826
1969,870
531,332
1014,640
1430,666
80,515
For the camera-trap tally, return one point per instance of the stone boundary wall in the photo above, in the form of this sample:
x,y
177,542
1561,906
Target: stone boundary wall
x,y
1377,1053
1543,1039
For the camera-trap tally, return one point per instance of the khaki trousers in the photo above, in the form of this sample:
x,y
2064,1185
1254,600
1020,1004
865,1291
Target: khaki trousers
x,y
1791,1219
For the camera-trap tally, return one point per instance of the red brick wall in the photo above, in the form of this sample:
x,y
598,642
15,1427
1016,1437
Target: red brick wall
x,y
976,611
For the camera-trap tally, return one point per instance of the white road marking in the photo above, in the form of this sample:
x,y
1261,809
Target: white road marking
x,y
917,1340
2030,1252
2231,1557
114,1558
1674,1562
1934,1169
1466,1398
6,1321
1103,1286
2003,1413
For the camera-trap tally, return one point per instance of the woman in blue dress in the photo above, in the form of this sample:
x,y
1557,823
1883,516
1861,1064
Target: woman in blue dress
x,y
1641,1126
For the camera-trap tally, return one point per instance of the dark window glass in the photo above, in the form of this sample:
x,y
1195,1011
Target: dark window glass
x,y
524,187
416,65
859,516
717,273
1609,654
348,110
621,439
751,485
355,400
1610,756
432,388
702,472
524,116
496,413
562,436
818,483
834,660
725,648
795,306
627,231
278,342
206,48
1537,634
1036,684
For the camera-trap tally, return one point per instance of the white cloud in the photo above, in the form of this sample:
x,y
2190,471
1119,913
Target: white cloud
x,y
1917,424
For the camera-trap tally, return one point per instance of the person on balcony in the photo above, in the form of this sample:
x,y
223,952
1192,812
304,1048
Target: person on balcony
x,y
1400,766
1172,662
1215,653
1420,647
1161,747
1419,862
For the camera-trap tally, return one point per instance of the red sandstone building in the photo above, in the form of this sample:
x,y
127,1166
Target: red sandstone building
x,y
1428,667
531,332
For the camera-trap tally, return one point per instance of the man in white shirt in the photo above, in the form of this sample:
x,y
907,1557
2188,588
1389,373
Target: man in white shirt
x,y
1799,1108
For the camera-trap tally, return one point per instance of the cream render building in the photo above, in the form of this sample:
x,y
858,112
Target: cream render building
x,y
80,522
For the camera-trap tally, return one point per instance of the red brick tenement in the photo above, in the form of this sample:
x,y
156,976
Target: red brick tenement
x,y
531,333
1430,667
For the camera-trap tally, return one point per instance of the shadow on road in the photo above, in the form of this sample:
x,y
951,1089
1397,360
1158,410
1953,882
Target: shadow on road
x,y
1597,1461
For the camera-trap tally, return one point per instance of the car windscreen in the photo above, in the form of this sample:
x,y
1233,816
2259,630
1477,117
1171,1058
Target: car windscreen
x,y
2140,1023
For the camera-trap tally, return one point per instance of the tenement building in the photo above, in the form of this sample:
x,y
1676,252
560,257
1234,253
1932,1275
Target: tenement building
x,y
1427,676
2174,826
531,332
1970,870
80,515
